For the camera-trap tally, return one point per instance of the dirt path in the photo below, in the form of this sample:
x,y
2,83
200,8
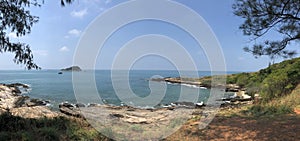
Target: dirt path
x,y
241,128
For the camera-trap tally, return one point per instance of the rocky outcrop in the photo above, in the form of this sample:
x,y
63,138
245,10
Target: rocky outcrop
x,y
73,68
198,82
70,109
34,112
10,96
232,88
13,102
178,80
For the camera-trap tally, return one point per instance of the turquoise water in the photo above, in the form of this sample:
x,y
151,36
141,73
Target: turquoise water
x,y
57,88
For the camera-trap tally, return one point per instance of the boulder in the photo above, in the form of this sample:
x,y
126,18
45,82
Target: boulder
x,y
66,104
35,102
75,112
69,109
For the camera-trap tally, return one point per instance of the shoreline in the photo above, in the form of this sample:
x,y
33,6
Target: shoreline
x,y
11,98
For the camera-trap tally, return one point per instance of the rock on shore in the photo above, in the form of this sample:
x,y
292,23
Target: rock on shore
x,y
12,101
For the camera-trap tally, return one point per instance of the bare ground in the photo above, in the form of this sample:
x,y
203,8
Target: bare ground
x,y
285,128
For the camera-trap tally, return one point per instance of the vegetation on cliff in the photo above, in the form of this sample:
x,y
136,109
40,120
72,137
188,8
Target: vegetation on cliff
x,y
278,86
273,82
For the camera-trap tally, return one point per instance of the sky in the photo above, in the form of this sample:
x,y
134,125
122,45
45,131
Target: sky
x,y
55,37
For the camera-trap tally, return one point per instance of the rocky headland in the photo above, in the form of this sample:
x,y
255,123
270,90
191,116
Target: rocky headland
x,y
72,68
204,82
240,96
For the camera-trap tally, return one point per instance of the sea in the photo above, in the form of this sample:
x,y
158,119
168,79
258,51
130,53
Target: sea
x,y
57,88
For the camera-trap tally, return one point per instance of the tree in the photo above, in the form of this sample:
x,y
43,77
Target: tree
x,y
63,2
262,16
16,18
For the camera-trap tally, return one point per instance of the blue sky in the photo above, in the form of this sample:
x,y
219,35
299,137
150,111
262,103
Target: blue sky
x,y
54,38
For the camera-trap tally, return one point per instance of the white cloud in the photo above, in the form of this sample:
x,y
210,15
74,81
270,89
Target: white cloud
x,y
74,32
79,14
12,35
64,49
41,52
107,1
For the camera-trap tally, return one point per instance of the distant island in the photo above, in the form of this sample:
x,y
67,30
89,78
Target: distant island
x,y
73,68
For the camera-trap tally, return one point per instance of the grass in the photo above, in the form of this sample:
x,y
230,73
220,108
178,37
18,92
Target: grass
x,y
60,128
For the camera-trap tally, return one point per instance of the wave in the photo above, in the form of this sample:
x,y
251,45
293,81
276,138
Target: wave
x,y
187,85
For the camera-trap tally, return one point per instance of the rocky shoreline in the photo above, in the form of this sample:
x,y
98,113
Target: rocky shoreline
x,y
13,102
126,120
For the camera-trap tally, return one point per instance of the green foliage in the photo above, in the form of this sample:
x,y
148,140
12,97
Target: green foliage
x,y
283,78
242,79
231,79
16,18
260,17
206,82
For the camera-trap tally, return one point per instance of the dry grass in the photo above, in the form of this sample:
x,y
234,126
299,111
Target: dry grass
x,y
292,100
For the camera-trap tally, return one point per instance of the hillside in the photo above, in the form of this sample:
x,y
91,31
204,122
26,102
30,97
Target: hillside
x,y
275,117
273,82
